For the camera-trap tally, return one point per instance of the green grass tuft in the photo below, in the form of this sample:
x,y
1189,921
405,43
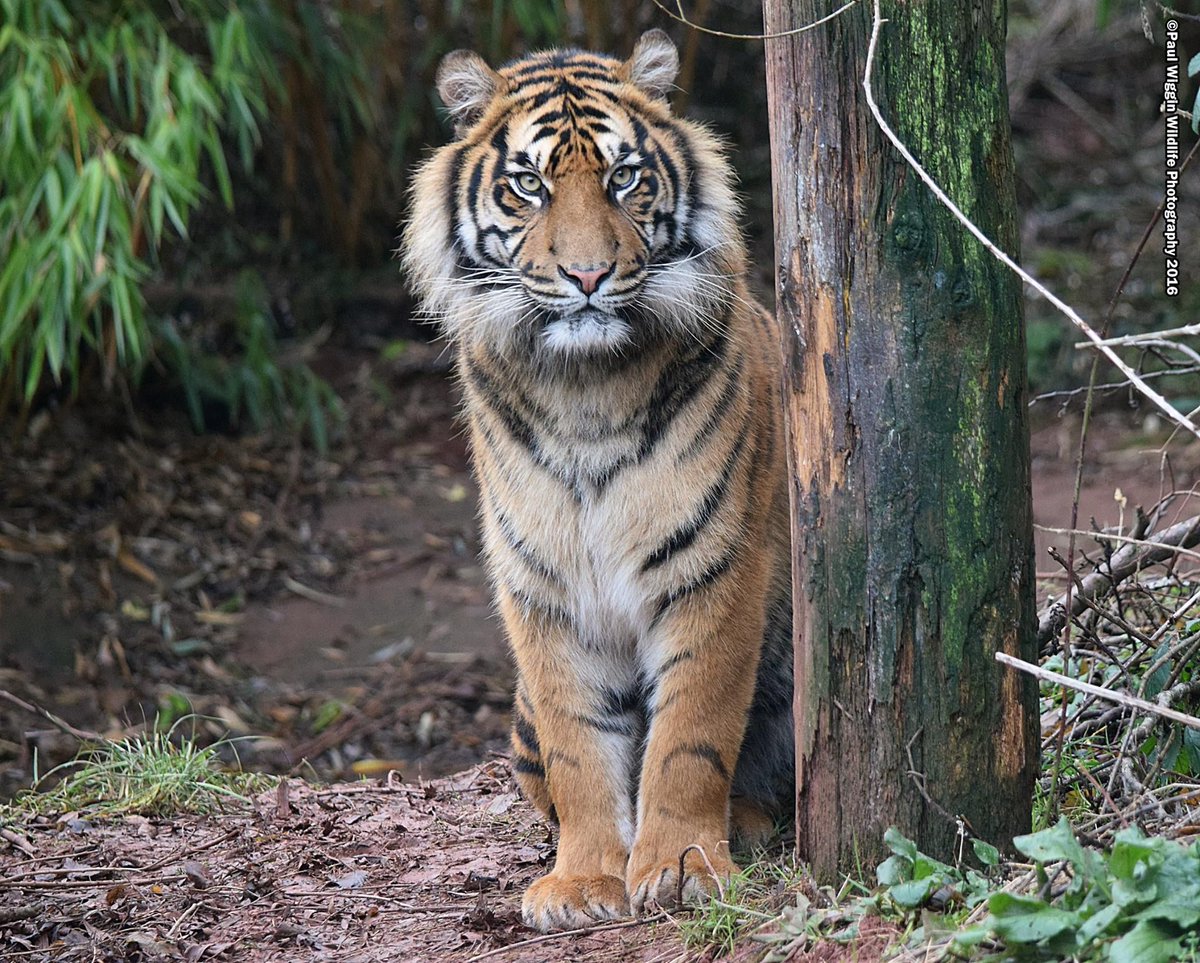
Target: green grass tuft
x,y
149,775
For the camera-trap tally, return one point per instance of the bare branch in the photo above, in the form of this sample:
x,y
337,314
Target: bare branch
x,y
1133,556
682,18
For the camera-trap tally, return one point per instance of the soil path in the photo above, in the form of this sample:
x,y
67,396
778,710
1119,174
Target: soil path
x,y
437,598
349,873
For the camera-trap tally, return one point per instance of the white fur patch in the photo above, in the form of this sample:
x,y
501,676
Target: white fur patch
x,y
466,84
654,64
588,332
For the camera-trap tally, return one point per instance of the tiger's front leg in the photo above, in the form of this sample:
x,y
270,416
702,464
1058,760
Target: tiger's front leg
x,y
585,750
709,642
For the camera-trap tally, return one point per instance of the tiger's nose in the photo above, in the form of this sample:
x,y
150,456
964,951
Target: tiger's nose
x,y
586,279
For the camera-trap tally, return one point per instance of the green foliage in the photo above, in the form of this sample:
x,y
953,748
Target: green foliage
x,y
1138,902
748,902
910,879
250,378
149,774
107,118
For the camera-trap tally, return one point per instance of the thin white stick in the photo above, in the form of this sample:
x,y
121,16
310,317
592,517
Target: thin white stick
x,y
1165,406
1119,697
1135,338
682,18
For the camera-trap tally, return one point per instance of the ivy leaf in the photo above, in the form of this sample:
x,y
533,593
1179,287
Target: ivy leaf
x,y
986,853
1020,919
1147,942
900,844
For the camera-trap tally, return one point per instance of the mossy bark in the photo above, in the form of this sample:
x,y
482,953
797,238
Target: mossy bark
x,y
904,347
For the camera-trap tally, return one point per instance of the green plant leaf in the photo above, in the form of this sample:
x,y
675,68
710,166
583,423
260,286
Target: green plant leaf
x,y
913,893
893,870
900,844
1130,850
986,853
1147,942
1021,919
1053,844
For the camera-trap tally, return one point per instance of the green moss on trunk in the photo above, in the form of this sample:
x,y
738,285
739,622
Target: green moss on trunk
x,y
909,440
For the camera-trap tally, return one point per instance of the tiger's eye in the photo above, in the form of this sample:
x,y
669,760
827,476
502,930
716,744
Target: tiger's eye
x,y
529,183
622,176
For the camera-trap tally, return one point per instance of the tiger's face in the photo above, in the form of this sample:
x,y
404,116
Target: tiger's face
x,y
574,215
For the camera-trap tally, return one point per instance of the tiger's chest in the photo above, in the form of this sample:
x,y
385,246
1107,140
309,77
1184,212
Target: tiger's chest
x,y
602,499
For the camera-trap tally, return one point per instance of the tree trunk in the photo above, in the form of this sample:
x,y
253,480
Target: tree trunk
x,y
904,351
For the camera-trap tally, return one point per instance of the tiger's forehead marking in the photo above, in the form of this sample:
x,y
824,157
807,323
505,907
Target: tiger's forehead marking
x,y
566,112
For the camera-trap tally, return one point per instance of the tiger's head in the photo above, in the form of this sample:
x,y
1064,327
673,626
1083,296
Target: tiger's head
x,y
573,215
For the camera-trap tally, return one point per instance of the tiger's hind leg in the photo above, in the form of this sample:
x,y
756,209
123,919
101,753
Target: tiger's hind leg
x,y
751,824
764,782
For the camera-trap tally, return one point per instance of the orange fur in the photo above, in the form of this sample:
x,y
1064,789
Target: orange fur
x,y
627,441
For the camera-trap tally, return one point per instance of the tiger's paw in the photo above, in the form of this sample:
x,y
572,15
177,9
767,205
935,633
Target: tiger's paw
x,y
567,902
654,880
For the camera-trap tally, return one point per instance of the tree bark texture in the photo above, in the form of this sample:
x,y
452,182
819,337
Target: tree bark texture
x,y
904,351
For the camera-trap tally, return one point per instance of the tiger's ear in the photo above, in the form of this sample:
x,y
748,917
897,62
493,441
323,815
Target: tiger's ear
x,y
654,64
466,85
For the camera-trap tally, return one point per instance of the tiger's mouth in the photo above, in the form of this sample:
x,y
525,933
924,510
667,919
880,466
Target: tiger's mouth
x,y
586,331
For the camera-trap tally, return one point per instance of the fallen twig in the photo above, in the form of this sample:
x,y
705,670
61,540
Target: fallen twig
x,y
84,735
582,931
711,872
312,594
1113,696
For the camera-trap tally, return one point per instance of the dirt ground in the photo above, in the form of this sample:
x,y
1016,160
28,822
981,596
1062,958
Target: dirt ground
x,y
381,871
353,873
330,612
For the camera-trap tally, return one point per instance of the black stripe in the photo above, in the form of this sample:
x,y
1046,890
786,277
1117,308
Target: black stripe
x,y
773,683
587,110
677,386
527,734
531,604
706,578
701,750
682,537
571,58
684,147
517,426
679,382
520,547
614,727
528,767
677,659
719,411
556,756
619,702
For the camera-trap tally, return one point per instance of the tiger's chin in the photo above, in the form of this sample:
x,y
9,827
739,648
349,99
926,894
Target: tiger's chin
x,y
586,332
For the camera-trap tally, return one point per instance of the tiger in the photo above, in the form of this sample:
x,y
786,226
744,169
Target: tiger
x,y
579,245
